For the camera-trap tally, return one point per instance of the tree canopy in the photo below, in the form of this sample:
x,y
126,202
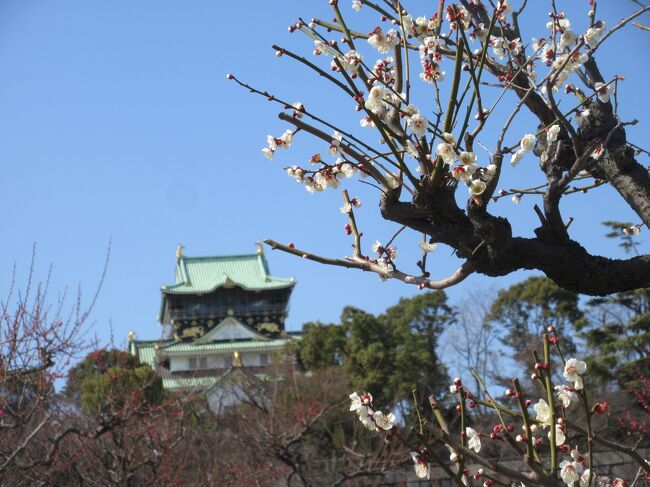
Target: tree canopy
x,y
433,171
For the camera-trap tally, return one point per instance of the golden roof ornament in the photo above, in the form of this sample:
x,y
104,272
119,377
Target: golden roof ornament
x,y
131,336
179,251
236,359
260,248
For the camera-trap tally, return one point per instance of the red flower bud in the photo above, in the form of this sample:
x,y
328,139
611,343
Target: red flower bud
x,y
600,407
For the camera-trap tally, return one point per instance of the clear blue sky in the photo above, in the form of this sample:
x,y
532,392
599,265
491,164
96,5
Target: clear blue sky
x,y
117,122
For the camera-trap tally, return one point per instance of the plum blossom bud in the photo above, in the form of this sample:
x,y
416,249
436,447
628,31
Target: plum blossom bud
x,y
230,76
453,389
291,245
457,381
516,199
600,407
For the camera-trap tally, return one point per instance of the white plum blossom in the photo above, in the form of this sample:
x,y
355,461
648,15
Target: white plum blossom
x,y
453,388
504,8
384,421
377,247
356,5
446,151
320,48
431,72
367,122
498,46
473,439
296,173
347,170
375,101
480,33
273,143
543,412
632,230
467,158
573,369
335,144
516,199
411,149
491,170
566,395
562,23
598,152
516,157
477,187
552,133
528,142
581,115
603,91
418,125
429,46
449,138
268,153
358,402
560,438
367,421
383,42
464,173
351,61
501,46
584,478
420,465
428,247
567,39
593,33
570,471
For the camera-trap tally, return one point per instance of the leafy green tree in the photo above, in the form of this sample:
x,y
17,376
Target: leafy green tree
x,y
618,333
109,380
321,345
391,354
526,309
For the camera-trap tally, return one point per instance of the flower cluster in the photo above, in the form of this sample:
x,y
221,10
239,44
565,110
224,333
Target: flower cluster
x,y
373,420
526,145
383,42
274,143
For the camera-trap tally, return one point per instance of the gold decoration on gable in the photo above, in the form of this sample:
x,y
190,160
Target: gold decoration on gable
x,y
268,327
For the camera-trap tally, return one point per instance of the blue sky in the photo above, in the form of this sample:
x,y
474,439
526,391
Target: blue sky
x,y
118,124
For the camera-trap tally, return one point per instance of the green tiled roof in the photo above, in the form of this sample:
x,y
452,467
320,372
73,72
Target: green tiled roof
x,y
170,382
223,346
145,350
205,274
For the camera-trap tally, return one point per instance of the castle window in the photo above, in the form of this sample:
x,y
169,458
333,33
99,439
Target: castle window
x,y
264,359
203,362
192,363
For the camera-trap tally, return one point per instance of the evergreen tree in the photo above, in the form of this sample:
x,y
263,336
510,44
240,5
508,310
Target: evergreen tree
x,y
526,309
